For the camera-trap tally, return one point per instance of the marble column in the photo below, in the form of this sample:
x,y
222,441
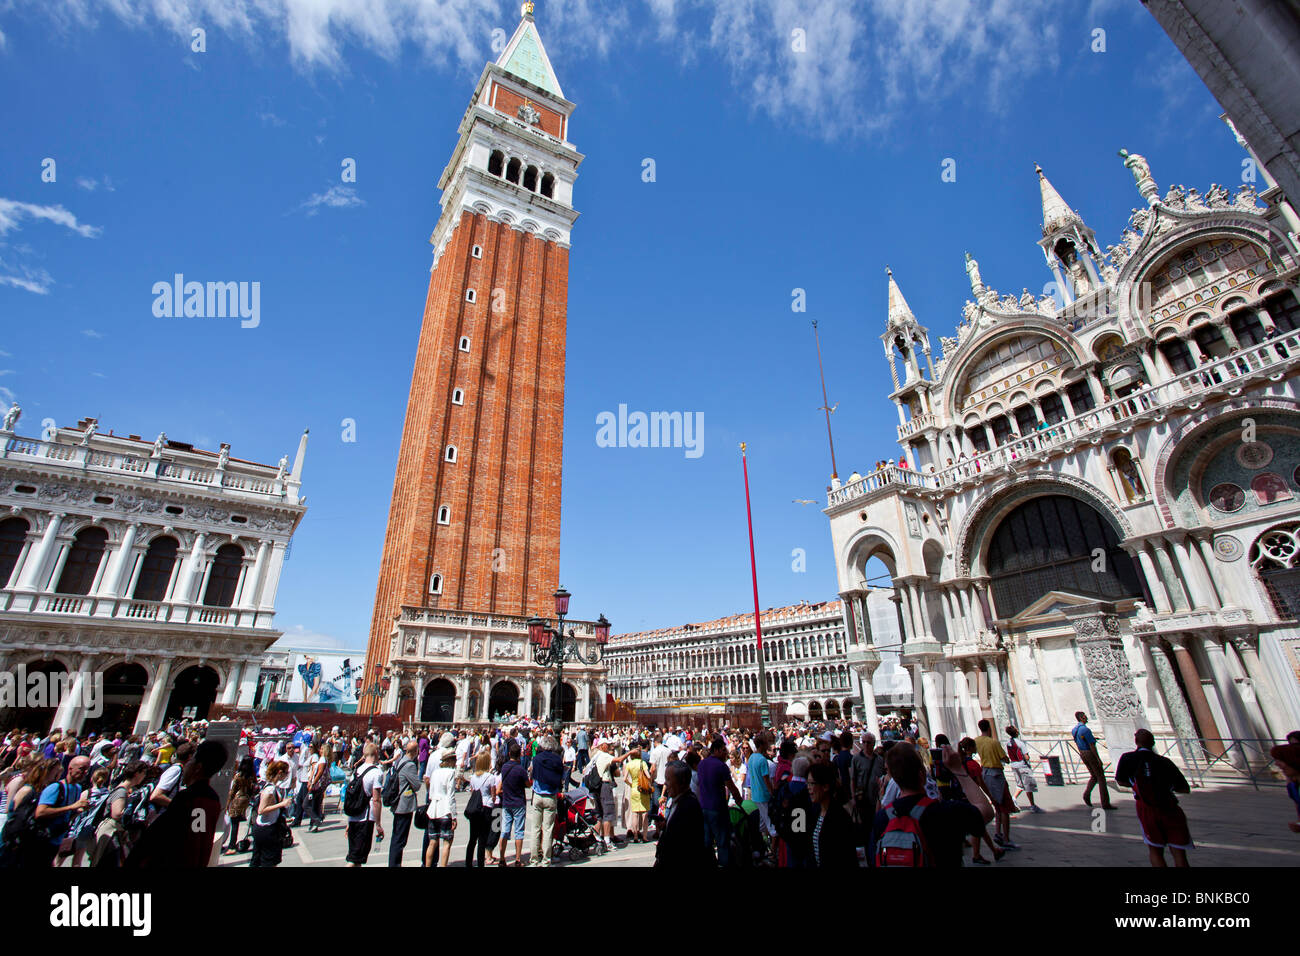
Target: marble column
x,y
1196,573
120,563
1205,549
36,568
999,703
918,700
230,694
1180,717
1155,583
149,716
1210,733
1277,722
1238,723
68,716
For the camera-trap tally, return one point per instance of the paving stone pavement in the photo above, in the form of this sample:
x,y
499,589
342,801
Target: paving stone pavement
x,y
1233,825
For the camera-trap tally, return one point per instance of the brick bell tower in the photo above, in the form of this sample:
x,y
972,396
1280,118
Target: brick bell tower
x,y
474,524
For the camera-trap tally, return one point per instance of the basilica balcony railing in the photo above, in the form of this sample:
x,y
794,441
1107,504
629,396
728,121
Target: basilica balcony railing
x,y
1245,368
235,477
913,425
131,611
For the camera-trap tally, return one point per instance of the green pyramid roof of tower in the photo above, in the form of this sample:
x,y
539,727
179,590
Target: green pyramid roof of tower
x,y
528,61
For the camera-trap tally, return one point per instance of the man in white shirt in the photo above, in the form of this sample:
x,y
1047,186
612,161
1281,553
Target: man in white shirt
x,y
362,828
659,757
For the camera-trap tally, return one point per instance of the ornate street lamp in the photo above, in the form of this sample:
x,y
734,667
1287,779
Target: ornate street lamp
x,y
376,689
553,648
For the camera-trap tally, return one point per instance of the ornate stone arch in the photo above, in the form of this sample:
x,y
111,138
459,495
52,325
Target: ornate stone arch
x,y
1194,428
870,542
1009,492
1155,250
956,369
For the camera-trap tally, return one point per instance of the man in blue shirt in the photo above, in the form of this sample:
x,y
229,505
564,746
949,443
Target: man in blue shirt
x,y
582,743
547,775
759,778
1087,747
59,805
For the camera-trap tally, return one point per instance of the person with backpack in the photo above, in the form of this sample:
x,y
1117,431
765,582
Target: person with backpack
x,y
61,802
1154,780
1019,759
271,821
363,805
242,788
917,830
25,841
182,835
514,804
128,811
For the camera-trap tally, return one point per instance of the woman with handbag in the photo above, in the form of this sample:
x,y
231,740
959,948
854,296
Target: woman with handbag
x,y
639,789
316,784
242,788
271,825
478,809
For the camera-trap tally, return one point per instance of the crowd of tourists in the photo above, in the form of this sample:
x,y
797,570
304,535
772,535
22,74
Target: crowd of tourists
x,y
832,794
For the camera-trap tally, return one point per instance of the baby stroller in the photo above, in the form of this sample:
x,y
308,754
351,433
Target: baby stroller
x,y
575,832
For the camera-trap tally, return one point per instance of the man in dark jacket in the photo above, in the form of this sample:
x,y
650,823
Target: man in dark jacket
x,y
407,768
547,776
682,844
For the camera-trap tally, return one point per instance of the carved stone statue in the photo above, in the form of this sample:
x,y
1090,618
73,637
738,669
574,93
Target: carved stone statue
x,y
158,444
90,432
223,458
284,467
973,273
14,413
1141,171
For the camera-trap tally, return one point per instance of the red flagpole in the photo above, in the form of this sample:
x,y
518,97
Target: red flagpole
x,y
764,713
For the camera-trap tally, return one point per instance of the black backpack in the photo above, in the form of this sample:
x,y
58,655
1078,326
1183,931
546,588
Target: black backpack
x,y
592,779
355,801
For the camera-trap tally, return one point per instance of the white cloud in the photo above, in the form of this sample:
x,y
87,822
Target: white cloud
x,y
867,65
6,371
90,184
92,334
12,212
25,277
15,272
336,197
301,638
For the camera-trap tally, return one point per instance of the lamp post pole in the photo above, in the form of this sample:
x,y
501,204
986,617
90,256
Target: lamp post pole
x,y
551,647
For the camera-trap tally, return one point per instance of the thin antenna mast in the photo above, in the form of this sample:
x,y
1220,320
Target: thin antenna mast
x,y
826,405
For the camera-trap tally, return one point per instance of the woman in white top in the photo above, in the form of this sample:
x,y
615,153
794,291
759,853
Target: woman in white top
x,y
275,796
442,811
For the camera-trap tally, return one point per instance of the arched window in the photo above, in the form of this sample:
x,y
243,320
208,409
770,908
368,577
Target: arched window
x,y
1051,543
444,515
530,178
13,533
1178,355
512,171
458,396
451,453
156,569
471,295
435,584
82,564
496,162
548,185
223,579
464,343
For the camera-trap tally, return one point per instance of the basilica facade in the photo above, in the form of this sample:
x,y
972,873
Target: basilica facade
x,y
1096,505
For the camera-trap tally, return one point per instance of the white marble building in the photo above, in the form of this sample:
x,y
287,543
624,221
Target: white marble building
x,y
464,667
708,667
1097,502
146,568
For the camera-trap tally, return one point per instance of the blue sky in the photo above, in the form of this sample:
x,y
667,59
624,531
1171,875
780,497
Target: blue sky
x,y
775,170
